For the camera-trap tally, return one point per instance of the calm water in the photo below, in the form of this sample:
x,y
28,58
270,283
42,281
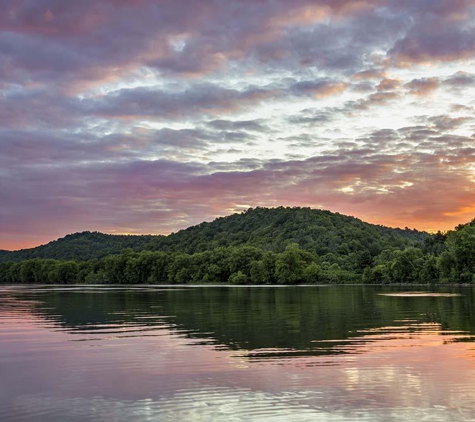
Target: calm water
x,y
334,353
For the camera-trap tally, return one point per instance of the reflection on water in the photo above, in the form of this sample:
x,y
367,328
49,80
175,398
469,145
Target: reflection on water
x,y
335,353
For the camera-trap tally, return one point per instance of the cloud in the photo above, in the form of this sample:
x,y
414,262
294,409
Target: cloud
x,y
247,125
460,80
388,84
428,45
318,89
445,123
145,116
370,74
378,99
312,117
174,37
207,99
423,87
376,176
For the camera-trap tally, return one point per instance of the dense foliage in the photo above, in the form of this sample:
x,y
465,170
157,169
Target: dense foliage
x,y
238,265
272,229
80,247
262,246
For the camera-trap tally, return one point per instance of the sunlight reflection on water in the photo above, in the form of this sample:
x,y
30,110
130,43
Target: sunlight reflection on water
x,y
330,354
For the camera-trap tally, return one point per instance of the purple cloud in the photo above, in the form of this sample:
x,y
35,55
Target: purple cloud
x,y
143,116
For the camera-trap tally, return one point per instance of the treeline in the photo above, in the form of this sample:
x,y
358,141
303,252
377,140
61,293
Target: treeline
x,y
81,247
259,246
440,258
238,265
443,258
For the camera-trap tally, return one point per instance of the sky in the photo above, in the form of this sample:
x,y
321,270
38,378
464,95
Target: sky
x,y
141,116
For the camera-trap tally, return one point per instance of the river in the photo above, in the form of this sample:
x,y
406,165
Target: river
x,y
192,353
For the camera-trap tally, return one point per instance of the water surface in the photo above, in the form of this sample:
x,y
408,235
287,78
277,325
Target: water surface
x,y
330,353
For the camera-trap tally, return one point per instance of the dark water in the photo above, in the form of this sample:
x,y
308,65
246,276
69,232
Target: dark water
x,y
339,353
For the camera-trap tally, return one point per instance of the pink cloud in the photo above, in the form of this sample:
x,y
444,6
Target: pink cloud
x,y
82,83
423,87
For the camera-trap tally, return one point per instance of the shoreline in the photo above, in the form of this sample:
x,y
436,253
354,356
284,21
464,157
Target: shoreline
x,y
201,285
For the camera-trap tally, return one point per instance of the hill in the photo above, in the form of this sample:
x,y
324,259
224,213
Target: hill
x,y
259,246
80,246
270,229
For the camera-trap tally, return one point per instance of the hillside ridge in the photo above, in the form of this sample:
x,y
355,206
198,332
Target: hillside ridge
x,y
270,229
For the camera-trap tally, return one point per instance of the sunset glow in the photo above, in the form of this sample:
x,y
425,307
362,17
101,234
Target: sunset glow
x,y
138,116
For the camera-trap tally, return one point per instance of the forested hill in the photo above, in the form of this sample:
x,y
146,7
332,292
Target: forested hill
x,y
81,247
270,229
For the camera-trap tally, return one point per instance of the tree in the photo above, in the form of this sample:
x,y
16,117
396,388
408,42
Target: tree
x,y
312,273
238,278
406,265
290,264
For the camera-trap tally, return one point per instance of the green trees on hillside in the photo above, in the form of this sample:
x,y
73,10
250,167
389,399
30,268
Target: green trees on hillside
x,y
444,258
291,264
270,230
278,246
457,261
238,265
81,247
